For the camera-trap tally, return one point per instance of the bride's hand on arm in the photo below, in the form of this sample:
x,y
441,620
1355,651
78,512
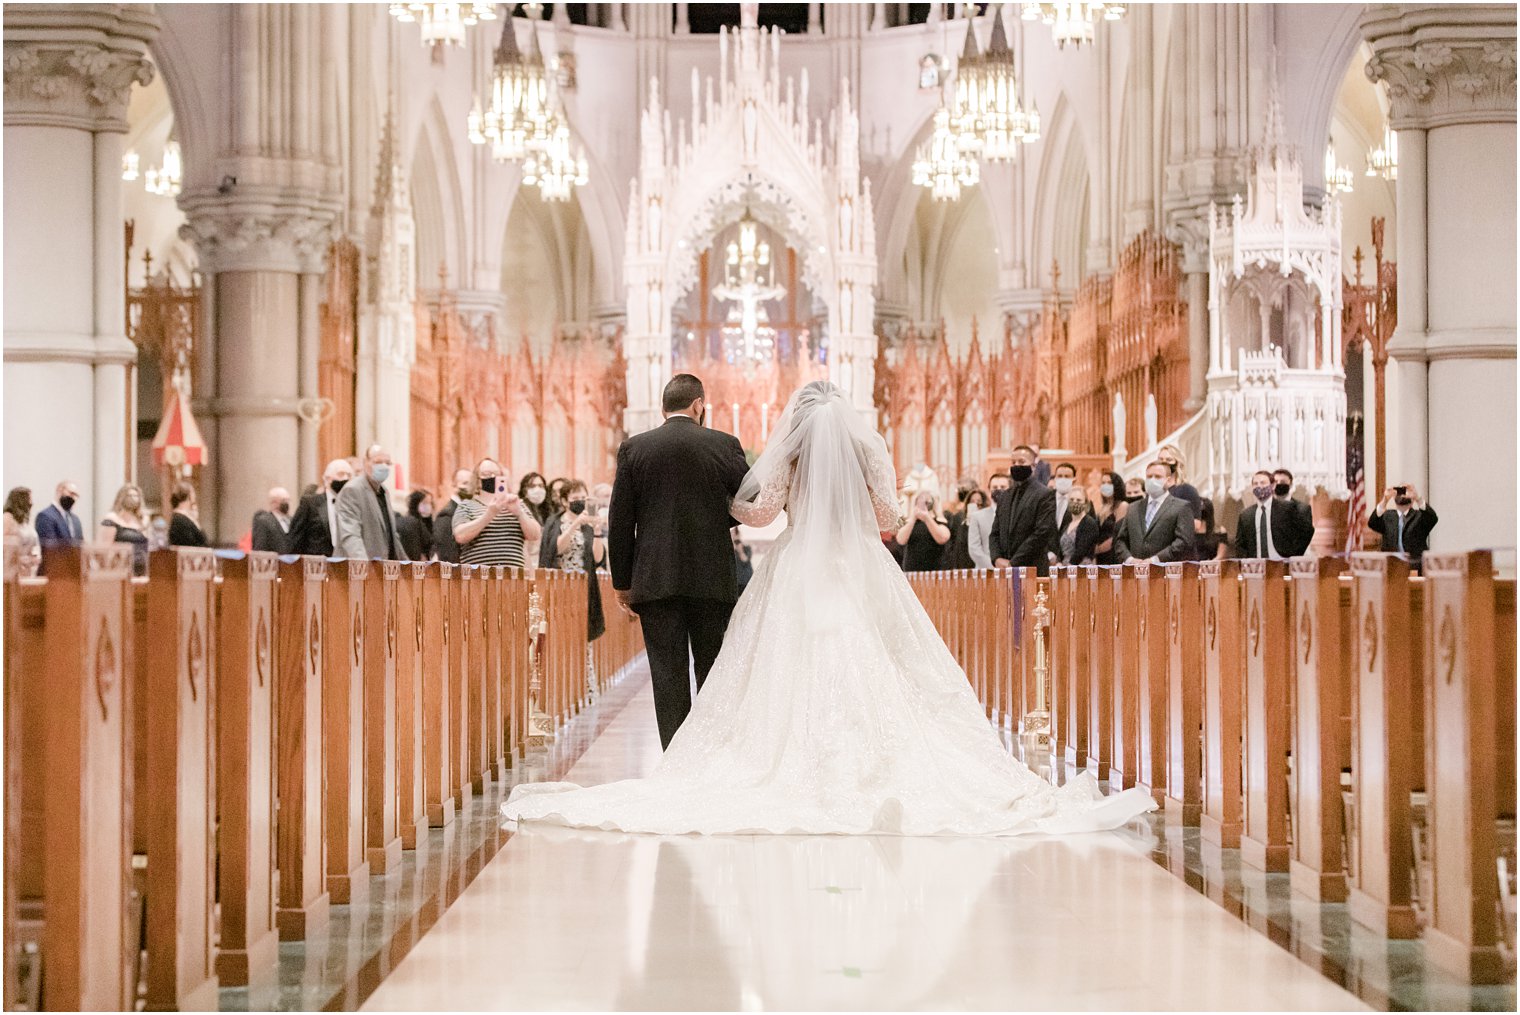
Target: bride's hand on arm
x,y
764,509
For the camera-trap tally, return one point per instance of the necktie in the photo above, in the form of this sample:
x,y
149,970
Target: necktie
x,y
1150,511
1261,530
1401,532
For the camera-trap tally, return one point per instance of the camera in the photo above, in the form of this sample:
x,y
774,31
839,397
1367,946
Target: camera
x,y
1401,490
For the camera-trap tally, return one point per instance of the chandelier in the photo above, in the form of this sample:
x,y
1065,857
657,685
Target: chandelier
x,y
1072,22
166,180
519,118
989,117
552,169
748,281
944,164
1384,159
443,24
1338,178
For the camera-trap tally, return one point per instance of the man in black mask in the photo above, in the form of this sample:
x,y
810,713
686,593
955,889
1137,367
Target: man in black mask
x,y
1024,526
1404,520
1301,531
314,529
271,526
979,523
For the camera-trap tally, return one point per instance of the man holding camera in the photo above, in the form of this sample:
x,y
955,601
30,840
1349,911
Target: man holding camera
x,y
1405,521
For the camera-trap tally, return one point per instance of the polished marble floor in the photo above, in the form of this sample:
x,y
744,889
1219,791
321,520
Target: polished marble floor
x,y
569,920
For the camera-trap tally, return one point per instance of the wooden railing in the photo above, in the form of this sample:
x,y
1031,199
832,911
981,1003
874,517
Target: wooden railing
x,y
1352,726
263,733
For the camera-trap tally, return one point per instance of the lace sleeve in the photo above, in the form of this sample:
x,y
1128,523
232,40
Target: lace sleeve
x,y
763,509
881,482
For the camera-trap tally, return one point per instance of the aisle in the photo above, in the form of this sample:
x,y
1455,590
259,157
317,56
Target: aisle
x,y
592,920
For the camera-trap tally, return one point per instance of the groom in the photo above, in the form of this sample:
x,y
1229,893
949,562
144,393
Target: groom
x,y
668,537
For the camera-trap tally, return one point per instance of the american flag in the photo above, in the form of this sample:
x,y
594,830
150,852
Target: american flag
x,y
1356,508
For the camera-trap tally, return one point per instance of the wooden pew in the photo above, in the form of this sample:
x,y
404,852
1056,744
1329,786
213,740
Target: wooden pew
x,y
1151,678
1315,866
181,645
299,772
382,827
79,856
438,714
514,640
15,756
496,657
1219,585
1103,619
456,646
343,729
1184,712
1075,678
1059,662
411,799
249,944
1125,655
1264,845
1022,585
475,627
1383,756
1463,934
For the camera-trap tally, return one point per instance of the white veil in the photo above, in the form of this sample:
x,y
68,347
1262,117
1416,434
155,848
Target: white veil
x,y
827,464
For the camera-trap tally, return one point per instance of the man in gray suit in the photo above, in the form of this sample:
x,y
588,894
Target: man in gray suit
x,y
366,523
979,523
1160,527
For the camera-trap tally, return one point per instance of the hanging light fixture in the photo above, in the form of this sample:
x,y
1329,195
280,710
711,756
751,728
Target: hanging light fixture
x,y
990,117
1073,23
1338,178
553,169
749,281
443,24
129,166
943,164
1384,159
519,117
166,180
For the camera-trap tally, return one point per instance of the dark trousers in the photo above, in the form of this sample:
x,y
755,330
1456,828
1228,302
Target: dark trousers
x,y
671,627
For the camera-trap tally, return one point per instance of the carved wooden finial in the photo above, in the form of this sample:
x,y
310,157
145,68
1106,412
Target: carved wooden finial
x,y
1357,257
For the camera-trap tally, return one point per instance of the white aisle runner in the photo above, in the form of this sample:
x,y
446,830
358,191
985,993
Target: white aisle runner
x,y
562,919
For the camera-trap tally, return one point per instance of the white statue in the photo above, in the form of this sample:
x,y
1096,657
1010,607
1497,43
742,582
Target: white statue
x,y
1152,436
1120,428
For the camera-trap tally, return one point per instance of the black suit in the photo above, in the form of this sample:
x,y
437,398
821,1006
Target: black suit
x,y
309,533
669,545
1416,533
443,533
1169,537
1024,527
1292,527
267,533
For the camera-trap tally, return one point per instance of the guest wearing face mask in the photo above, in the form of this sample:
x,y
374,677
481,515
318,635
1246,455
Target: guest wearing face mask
x,y
271,526
1134,489
957,555
1404,520
1267,528
366,523
569,544
416,526
1179,487
1022,529
443,519
1158,529
1109,510
493,526
534,492
1065,481
125,523
185,524
979,522
1303,516
57,525
923,536
314,529
1080,535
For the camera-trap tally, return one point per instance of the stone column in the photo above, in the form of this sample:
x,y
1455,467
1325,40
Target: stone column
x,y
815,19
1450,74
68,77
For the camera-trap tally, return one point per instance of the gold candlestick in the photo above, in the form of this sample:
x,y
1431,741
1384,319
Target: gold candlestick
x,y
540,724
1034,732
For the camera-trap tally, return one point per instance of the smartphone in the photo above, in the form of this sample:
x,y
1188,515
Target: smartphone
x,y
1401,490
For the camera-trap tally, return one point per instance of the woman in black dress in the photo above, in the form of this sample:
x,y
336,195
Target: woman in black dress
x,y
124,523
923,536
1109,509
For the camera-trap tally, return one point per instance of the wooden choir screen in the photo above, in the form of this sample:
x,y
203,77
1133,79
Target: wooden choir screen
x,y
1262,664
336,365
297,679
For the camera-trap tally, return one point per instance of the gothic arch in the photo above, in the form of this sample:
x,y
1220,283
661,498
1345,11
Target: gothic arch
x,y
437,202
1060,228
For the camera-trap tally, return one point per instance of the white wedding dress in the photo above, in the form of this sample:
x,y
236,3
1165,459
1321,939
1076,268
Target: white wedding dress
x,y
834,705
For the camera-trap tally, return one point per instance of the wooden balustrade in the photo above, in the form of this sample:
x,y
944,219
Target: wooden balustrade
x,y
363,697
1240,692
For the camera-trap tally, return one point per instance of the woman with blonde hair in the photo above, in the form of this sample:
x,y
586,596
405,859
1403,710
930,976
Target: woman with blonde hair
x,y
125,523
1171,456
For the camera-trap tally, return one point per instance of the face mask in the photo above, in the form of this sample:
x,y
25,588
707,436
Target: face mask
x,y
965,494
284,507
1063,484
337,485
67,503
1282,489
1107,489
998,495
1078,507
423,511
133,504
1261,492
1020,473
536,495
463,493
576,506
1155,487
379,473
488,484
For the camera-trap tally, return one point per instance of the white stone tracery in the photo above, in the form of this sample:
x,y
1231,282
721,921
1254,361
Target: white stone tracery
x,y
750,146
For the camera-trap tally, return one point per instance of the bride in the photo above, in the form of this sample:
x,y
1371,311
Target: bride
x,y
834,705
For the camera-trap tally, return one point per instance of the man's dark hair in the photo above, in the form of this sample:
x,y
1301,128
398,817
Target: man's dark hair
x,y
1282,472
1025,447
181,494
999,475
1261,472
1068,465
682,390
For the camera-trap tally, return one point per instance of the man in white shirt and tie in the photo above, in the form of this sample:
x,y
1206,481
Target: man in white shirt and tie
x,y
1065,479
1275,527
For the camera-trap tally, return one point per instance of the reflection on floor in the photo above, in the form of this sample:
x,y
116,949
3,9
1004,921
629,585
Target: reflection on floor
x,y
576,920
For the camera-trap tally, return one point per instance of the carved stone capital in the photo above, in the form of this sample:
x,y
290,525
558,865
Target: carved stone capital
x,y
259,232
1443,64
71,85
1190,231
